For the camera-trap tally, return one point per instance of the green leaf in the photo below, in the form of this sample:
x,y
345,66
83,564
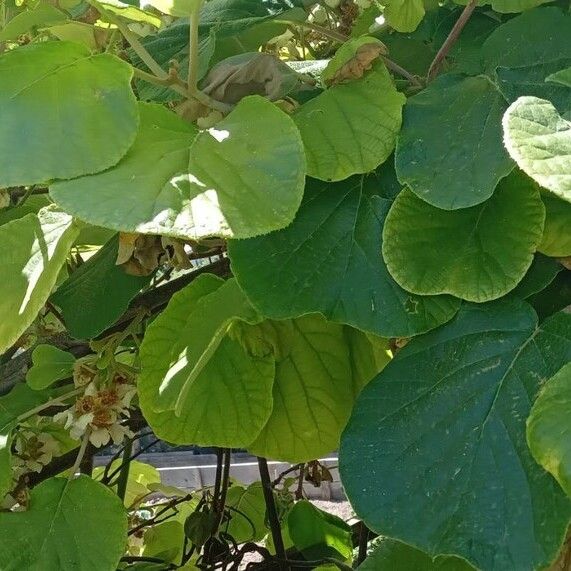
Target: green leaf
x,y
49,364
236,179
97,119
440,434
139,481
18,401
349,129
531,81
539,140
477,253
33,250
556,239
394,555
173,354
328,260
81,510
318,534
41,15
199,373
540,274
237,385
442,162
404,15
129,12
548,427
536,36
313,392
562,77
97,293
164,541
177,8
247,513
31,206
512,6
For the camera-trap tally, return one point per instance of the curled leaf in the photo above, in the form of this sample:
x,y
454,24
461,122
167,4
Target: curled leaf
x,y
250,74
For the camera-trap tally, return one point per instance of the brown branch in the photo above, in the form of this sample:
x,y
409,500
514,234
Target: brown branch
x,y
450,40
154,300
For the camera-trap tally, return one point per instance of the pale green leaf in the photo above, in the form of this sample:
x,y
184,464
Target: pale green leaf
x,y
318,534
49,364
247,513
443,161
32,249
140,479
313,391
164,541
549,427
440,434
177,8
76,525
556,239
404,15
539,140
328,260
234,179
180,342
95,124
477,253
351,128
41,15
129,12
236,385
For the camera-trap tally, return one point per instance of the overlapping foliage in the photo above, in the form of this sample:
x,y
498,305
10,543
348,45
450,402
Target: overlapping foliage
x,y
289,227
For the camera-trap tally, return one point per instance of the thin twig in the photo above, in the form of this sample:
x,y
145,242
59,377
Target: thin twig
x,y
81,452
363,544
52,402
192,78
450,40
394,66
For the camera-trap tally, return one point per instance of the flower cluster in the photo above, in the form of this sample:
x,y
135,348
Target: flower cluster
x,y
102,407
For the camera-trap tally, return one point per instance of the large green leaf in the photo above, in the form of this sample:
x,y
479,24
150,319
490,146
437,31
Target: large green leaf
x,y
236,179
76,525
247,513
318,534
97,293
536,36
19,400
351,128
477,253
556,239
328,260
190,365
458,162
392,555
65,113
549,427
180,342
32,249
441,435
313,392
226,404
541,273
539,140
